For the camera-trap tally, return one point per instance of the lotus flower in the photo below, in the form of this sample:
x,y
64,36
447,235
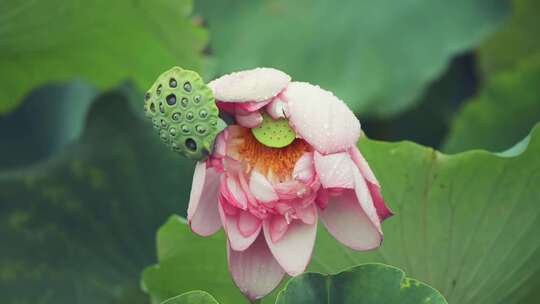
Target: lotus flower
x,y
289,160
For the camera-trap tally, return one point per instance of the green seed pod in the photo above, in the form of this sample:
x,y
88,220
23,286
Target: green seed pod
x,y
184,113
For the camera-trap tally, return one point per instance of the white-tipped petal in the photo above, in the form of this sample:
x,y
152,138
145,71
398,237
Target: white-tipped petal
x,y
251,85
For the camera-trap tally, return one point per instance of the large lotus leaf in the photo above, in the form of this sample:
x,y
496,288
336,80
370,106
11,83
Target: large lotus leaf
x,y
364,284
79,227
368,283
436,109
188,262
100,41
465,224
48,119
503,112
509,103
376,55
517,40
192,297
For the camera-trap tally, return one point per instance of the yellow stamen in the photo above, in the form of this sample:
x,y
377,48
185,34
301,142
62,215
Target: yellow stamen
x,y
277,161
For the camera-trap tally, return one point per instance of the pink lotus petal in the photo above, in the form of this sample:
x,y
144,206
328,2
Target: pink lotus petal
x,y
277,108
251,120
308,214
335,170
373,184
321,118
251,106
282,207
261,188
278,227
382,211
233,192
227,107
251,85
254,271
247,223
322,198
304,170
237,241
232,166
203,215
228,208
289,189
197,186
363,165
220,147
366,201
345,219
293,250
252,201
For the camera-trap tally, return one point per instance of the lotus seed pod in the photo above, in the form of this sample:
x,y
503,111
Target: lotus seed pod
x,y
274,133
183,112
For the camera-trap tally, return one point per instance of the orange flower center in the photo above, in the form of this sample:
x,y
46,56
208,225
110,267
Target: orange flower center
x,y
273,162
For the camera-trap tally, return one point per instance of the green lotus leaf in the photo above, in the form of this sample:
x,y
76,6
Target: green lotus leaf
x,y
376,56
79,226
49,118
508,104
465,224
102,42
517,40
364,284
192,297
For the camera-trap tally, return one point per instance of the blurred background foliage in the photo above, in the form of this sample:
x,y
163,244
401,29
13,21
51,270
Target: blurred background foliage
x,y
85,184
